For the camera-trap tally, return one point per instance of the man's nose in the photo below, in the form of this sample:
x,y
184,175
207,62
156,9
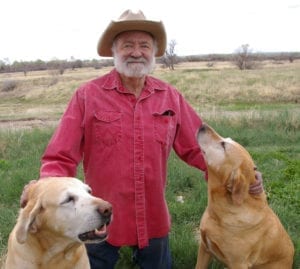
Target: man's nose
x,y
136,52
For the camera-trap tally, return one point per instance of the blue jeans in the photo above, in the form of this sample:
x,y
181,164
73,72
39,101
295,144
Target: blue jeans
x,y
156,256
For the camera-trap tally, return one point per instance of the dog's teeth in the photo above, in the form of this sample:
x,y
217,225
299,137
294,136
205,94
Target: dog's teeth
x,y
101,231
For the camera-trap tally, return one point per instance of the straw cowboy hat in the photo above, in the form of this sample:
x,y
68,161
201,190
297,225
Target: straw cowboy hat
x,y
130,21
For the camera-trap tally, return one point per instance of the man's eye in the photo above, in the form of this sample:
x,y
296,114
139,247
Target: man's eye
x,y
127,46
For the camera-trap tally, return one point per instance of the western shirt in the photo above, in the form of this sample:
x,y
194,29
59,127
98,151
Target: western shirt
x,y
124,143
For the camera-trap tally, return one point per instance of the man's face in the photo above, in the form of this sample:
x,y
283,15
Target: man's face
x,y
134,53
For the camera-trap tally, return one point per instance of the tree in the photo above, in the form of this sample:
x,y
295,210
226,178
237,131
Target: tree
x,y
170,58
243,58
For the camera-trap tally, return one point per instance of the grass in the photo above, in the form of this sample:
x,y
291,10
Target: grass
x,y
226,86
20,152
243,105
219,87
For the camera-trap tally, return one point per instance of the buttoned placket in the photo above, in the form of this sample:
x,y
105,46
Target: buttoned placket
x,y
139,175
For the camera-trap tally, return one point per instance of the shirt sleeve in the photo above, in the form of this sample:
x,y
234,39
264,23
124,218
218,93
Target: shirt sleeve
x,y
64,151
185,143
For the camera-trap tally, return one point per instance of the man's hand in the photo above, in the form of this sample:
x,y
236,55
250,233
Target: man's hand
x,y
24,195
257,187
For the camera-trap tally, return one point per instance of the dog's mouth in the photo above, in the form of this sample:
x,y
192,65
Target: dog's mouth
x,y
98,234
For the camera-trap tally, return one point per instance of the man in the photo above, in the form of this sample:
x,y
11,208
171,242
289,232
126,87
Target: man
x,y
123,126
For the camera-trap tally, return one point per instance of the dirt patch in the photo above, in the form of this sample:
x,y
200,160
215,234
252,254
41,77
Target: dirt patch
x,y
27,124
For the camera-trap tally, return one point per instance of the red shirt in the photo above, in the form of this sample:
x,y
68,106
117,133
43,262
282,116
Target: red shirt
x,y
125,143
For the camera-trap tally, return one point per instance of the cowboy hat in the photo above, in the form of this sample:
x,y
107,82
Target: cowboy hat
x,y
130,21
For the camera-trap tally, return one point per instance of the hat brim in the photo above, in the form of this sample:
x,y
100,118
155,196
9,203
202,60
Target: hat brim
x,y
156,29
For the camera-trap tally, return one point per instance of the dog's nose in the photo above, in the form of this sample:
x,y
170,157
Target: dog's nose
x,y
203,128
105,210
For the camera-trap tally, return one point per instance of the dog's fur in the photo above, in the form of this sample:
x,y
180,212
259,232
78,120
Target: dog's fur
x,y
237,228
59,216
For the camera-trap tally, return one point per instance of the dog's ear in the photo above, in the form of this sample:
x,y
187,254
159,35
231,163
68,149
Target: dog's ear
x,y
237,185
26,220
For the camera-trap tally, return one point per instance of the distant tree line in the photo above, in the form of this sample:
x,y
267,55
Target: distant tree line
x,y
276,56
243,58
60,65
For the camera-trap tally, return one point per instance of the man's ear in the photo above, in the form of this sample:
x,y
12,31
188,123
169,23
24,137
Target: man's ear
x,y
237,185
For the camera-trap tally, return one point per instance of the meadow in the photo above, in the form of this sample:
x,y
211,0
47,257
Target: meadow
x,y
258,108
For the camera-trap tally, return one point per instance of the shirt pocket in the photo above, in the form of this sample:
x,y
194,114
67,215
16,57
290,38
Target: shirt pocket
x,y
164,126
108,127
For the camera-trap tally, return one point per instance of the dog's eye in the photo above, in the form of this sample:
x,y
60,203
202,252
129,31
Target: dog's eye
x,y
69,199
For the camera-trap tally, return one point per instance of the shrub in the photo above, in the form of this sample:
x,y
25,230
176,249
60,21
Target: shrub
x,y
8,85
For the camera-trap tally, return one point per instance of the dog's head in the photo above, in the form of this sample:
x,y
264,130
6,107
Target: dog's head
x,y
63,207
228,163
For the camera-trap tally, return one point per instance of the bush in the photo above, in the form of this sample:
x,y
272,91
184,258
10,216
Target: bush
x,y
8,85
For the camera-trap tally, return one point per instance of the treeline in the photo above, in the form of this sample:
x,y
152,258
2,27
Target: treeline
x,y
276,56
61,65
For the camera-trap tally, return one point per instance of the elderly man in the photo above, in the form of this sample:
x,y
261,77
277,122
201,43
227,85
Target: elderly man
x,y
123,126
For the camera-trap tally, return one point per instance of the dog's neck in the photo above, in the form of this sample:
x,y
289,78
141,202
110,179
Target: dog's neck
x,y
221,201
53,251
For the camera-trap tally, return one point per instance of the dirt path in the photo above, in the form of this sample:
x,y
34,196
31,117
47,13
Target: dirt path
x,y
27,124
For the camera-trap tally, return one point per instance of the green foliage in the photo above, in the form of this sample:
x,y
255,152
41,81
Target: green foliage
x,y
8,215
20,161
4,165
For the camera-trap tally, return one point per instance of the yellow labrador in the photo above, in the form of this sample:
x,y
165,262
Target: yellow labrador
x,y
59,216
237,228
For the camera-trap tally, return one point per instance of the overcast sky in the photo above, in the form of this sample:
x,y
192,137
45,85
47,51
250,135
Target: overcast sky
x,y
48,29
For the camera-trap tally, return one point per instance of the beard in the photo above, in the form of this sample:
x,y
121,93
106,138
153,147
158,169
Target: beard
x,y
134,67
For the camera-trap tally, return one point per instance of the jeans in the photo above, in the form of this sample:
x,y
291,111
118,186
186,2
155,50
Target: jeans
x,y
155,256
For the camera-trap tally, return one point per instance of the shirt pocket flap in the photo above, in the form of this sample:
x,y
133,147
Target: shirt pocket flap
x,y
108,116
167,112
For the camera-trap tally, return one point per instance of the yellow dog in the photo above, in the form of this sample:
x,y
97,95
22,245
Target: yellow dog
x,y
59,216
238,228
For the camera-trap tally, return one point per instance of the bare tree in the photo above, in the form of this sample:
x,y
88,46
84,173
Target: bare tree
x,y
243,57
292,57
170,58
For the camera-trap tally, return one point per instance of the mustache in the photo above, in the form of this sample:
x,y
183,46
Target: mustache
x,y
136,60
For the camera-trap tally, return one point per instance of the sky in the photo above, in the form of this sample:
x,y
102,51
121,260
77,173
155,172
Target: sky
x,y
66,29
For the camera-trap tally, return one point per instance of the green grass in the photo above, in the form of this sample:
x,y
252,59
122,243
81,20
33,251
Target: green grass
x,y
274,143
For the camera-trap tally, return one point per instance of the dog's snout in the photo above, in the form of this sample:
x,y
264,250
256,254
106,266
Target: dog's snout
x,y
201,132
202,128
105,210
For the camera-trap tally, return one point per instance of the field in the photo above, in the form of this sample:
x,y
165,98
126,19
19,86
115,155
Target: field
x,y
258,108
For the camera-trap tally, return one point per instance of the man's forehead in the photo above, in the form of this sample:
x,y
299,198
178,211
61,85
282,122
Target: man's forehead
x,y
134,35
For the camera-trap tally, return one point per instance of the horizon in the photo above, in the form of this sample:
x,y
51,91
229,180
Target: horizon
x,y
266,54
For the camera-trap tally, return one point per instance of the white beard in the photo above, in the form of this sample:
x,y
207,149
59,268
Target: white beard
x,y
138,69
